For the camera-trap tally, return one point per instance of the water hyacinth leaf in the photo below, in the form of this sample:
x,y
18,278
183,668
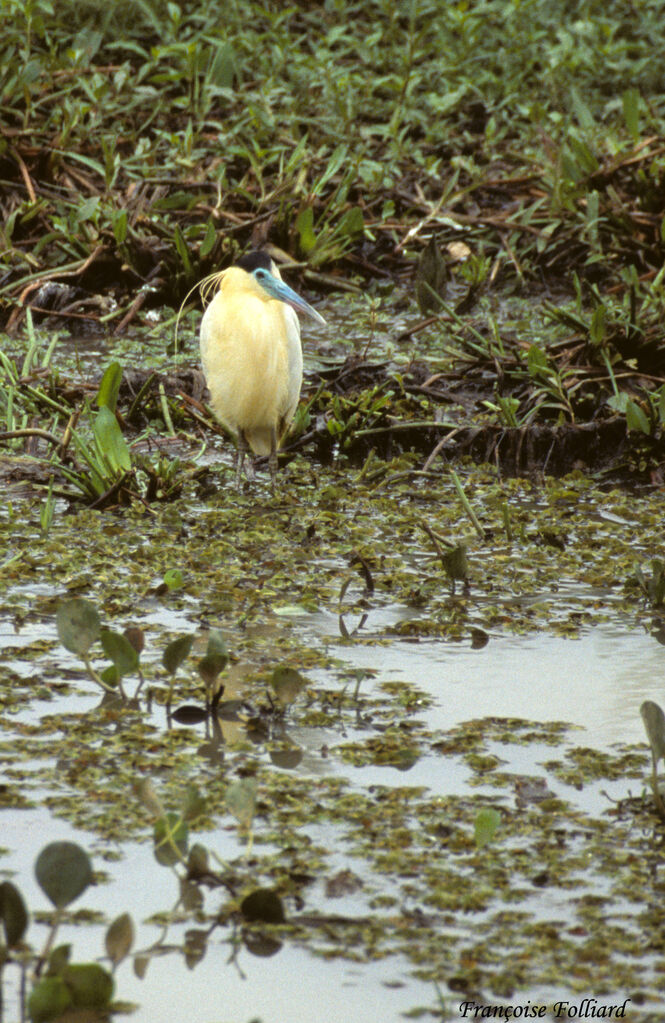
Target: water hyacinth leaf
x,y
63,871
189,714
49,999
141,964
263,904
654,724
287,759
109,388
89,984
240,800
119,938
198,862
78,625
196,945
170,837
485,826
194,804
135,635
216,658
176,652
58,959
287,683
119,650
110,676
173,579
13,913
456,564
146,794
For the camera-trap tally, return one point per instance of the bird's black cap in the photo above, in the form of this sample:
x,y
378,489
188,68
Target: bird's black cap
x,y
254,260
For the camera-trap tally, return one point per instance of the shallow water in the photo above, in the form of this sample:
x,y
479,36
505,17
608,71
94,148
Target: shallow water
x,y
595,682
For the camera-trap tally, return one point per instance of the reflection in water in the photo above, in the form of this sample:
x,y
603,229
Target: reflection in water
x,y
597,681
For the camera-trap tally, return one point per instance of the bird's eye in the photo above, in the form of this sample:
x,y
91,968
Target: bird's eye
x,y
260,273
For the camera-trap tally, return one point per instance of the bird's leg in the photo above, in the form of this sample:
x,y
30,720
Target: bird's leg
x,y
240,457
272,460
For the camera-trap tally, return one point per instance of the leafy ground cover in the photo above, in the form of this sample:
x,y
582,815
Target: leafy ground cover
x,y
508,146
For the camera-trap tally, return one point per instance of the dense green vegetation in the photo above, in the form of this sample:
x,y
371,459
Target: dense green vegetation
x,y
161,135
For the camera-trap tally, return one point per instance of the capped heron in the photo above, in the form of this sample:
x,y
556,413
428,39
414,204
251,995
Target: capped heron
x,y
252,356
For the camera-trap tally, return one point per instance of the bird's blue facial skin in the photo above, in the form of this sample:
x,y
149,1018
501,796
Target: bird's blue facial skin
x,y
281,291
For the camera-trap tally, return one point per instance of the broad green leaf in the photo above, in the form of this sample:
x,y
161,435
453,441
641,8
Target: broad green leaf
x,y
78,625
119,650
654,724
173,579
63,871
619,402
216,658
110,675
636,418
119,938
48,1000
170,836
107,395
135,635
144,791
176,652
198,863
486,823
240,800
263,904
287,684
194,804
111,444
90,985
58,959
455,563
13,913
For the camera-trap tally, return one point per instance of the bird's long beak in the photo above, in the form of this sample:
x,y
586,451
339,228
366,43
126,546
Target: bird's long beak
x,y
278,289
